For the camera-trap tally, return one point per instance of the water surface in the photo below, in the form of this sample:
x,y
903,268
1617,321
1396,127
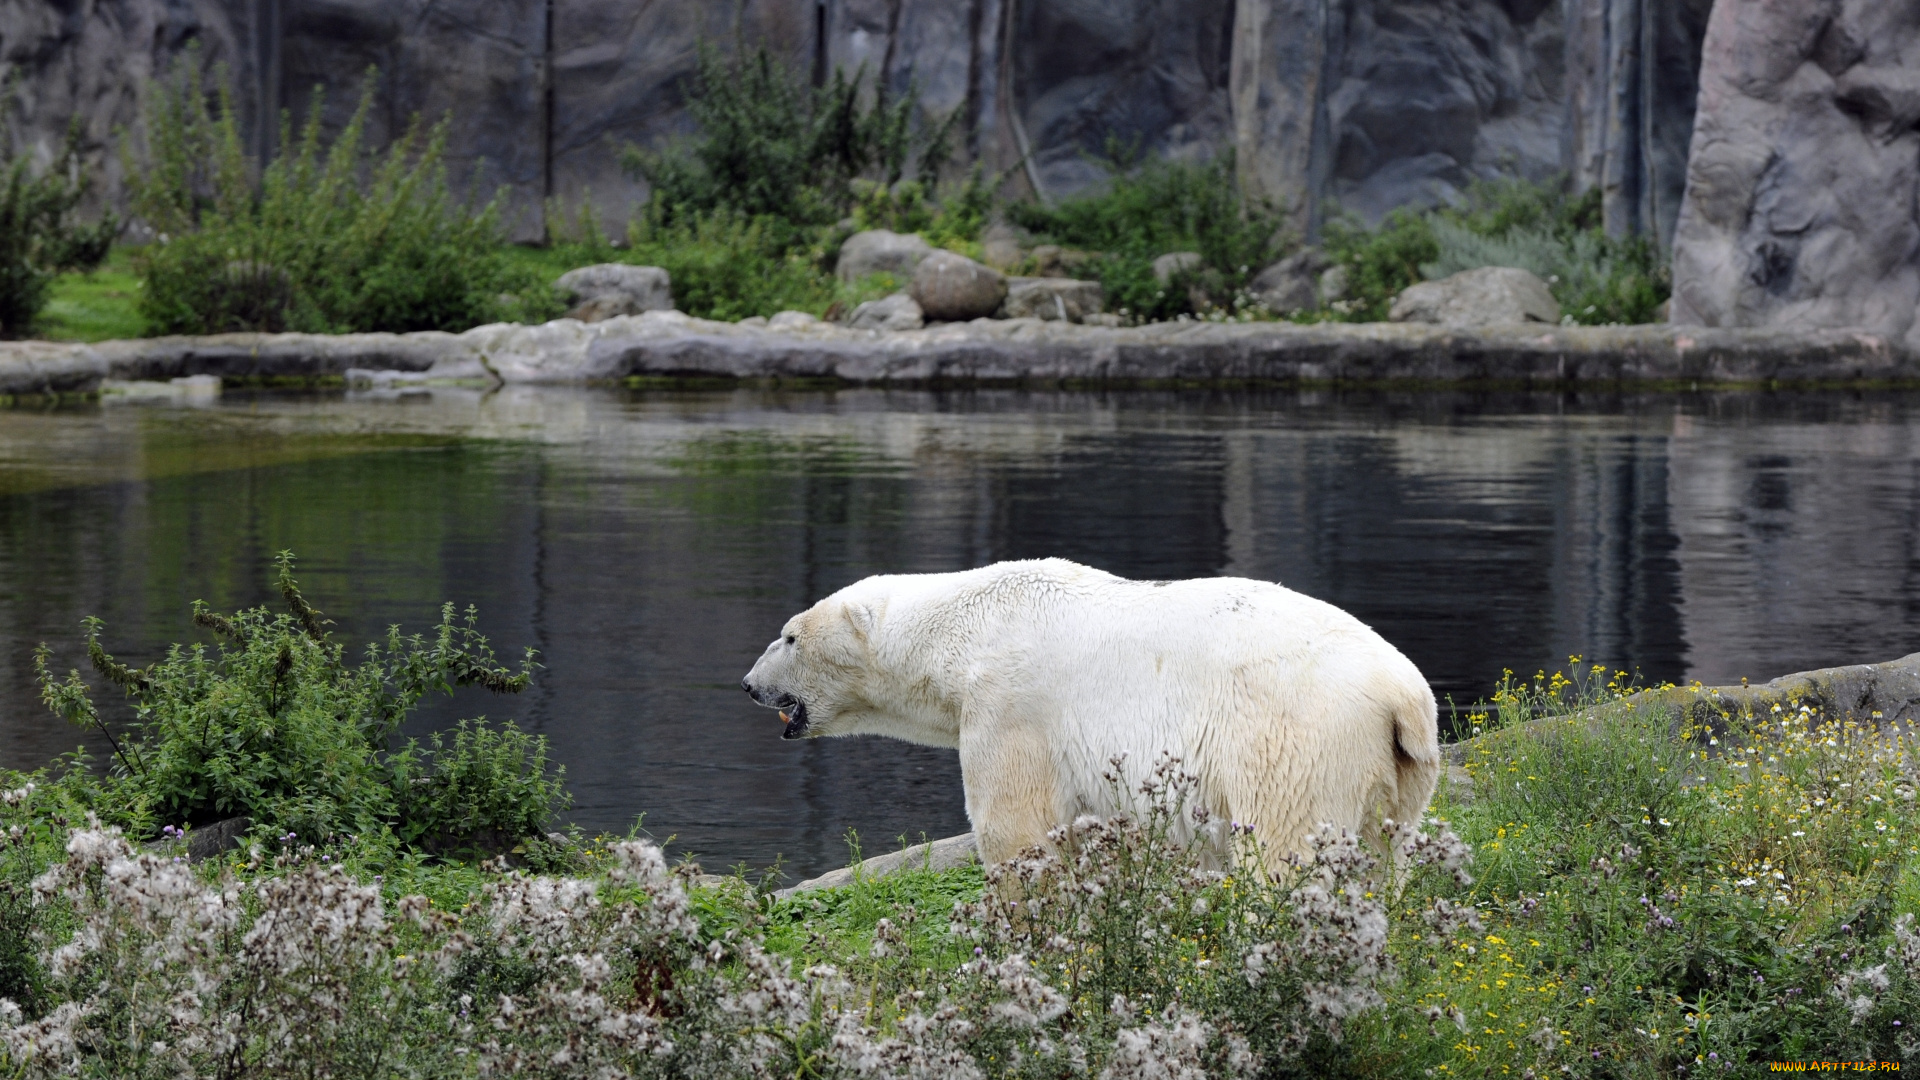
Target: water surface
x,y
649,545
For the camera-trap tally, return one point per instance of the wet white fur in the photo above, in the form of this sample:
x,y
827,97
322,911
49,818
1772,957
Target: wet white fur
x,y
1290,711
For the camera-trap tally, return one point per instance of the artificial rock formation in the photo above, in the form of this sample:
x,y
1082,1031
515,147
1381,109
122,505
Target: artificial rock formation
x,y
1367,103
1801,206
672,345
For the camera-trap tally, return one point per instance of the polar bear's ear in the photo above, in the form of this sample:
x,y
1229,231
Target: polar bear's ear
x,y
865,619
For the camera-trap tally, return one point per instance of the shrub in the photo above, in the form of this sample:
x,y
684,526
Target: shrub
x,y
725,265
1539,227
1379,262
486,780
771,147
39,235
324,240
1159,207
274,724
907,207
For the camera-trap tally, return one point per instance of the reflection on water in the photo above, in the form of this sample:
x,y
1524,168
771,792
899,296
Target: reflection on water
x,y
649,545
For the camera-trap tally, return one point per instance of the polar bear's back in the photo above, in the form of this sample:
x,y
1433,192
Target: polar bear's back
x,y
1290,710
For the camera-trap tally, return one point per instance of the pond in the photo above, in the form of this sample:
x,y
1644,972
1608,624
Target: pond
x,y
650,544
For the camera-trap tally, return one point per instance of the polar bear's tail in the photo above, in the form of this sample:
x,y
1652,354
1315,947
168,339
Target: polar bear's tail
x,y
1416,754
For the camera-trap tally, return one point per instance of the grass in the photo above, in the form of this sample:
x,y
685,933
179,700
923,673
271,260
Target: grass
x,y
100,306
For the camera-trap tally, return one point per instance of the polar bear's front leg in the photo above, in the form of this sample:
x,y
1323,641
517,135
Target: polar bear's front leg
x,y
1007,770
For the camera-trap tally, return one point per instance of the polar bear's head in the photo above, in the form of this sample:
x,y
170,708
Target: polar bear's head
x,y
821,670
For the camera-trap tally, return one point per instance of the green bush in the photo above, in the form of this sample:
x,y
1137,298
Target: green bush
x,y
39,235
770,147
747,216
1540,227
325,239
1379,262
1156,208
725,265
275,725
485,780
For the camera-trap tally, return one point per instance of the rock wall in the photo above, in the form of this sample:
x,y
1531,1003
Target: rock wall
x,y
1803,191
1368,104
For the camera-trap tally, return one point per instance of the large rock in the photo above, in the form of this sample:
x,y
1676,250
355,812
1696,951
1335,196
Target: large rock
x,y
1175,262
1293,283
954,288
1065,299
896,312
1052,260
605,290
1000,247
1489,296
1801,206
879,251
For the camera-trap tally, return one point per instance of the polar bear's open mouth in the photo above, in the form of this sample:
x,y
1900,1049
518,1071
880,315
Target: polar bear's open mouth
x,y
794,712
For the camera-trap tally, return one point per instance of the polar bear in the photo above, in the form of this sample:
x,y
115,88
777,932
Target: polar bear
x,y
1289,711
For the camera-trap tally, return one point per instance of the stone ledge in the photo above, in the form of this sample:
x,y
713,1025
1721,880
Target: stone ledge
x,y
936,855
668,345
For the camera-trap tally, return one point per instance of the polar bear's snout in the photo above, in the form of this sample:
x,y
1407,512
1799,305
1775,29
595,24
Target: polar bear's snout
x,y
762,684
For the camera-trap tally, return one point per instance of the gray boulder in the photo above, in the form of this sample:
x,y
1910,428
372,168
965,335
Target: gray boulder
x,y
1801,204
878,251
1052,260
896,312
1292,284
605,290
1000,247
1333,285
1175,262
1488,296
1065,299
954,288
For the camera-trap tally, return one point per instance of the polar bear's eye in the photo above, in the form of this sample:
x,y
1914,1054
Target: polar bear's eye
x,y
789,639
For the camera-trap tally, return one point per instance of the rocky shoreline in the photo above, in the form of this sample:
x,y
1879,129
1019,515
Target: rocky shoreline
x,y
673,347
